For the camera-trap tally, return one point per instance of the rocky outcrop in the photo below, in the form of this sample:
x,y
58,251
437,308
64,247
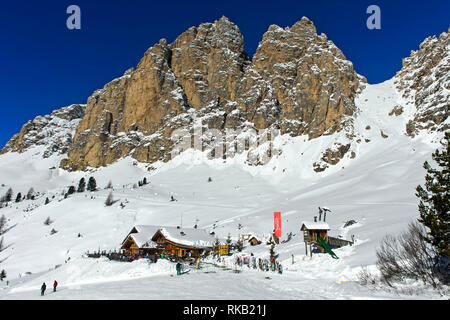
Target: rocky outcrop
x,y
54,131
397,110
298,82
424,82
332,156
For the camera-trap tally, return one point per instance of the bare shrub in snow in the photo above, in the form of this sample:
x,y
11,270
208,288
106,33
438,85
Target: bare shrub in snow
x,y
110,200
2,224
365,277
48,221
409,256
109,185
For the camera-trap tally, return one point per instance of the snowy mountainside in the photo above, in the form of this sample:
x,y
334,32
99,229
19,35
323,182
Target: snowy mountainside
x,y
366,171
424,82
376,189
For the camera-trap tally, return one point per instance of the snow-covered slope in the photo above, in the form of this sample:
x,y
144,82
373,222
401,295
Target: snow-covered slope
x,y
376,189
367,172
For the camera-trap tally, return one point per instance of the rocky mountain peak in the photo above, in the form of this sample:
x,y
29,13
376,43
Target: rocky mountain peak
x,y
424,82
304,27
297,82
306,78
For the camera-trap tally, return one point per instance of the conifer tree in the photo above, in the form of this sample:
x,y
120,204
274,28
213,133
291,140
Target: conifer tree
x,y
272,252
30,194
71,190
434,202
272,256
92,184
239,245
19,197
216,247
2,275
8,195
228,241
109,201
81,185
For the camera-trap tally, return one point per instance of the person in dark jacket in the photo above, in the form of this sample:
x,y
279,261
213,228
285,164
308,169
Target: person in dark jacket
x,y
55,284
43,287
178,268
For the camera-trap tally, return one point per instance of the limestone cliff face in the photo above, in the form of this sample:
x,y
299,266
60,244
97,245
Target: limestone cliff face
x,y
209,61
424,82
297,81
122,117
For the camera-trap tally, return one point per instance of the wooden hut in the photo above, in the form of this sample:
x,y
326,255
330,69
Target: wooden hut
x,y
184,242
138,241
139,244
312,230
254,241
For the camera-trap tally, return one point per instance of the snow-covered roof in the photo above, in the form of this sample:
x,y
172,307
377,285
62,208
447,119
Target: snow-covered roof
x,y
149,230
142,241
249,237
188,236
315,225
142,235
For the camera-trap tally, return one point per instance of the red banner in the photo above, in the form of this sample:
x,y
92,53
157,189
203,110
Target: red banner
x,y
277,224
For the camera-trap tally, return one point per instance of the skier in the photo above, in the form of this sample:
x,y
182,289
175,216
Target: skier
x,y
178,268
55,284
43,287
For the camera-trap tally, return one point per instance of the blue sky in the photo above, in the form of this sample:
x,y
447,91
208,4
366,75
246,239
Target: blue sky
x,y
45,66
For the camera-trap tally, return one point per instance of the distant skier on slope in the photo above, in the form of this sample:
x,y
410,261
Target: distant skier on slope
x,y
55,284
43,287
